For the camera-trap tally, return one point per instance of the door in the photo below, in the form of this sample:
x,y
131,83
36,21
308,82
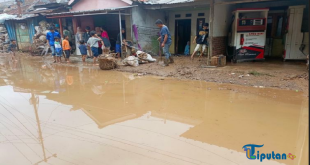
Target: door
x,y
275,32
22,35
183,34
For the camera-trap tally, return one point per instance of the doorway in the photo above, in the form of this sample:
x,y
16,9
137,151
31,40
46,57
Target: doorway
x,y
22,35
183,34
275,34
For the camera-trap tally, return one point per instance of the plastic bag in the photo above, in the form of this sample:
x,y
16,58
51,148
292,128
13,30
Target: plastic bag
x,y
148,57
131,60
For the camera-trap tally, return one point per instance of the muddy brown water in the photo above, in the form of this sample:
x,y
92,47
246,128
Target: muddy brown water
x,y
75,114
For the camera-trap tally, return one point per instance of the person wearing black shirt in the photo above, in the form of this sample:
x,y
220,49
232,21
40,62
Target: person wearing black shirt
x,y
201,39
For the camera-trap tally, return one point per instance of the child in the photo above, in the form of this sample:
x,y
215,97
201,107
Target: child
x,y
58,49
93,43
83,50
186,51
66,47
12,49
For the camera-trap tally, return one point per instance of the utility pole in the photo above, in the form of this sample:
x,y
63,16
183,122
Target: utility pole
x,y
211,18
19,8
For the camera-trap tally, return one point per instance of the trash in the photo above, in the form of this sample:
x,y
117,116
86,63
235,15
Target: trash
x,y
261,86
240,76
4,39
144,56
39,39
107,63
131,60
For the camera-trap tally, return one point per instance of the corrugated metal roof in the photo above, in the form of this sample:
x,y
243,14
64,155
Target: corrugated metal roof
x,y
93,11
157,2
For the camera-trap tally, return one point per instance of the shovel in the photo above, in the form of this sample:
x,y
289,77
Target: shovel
x,y
161,62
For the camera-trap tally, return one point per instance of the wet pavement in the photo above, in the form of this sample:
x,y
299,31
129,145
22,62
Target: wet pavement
x,y
76,114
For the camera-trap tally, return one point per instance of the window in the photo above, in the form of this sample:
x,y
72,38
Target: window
x,y
177,16
201,14
188,15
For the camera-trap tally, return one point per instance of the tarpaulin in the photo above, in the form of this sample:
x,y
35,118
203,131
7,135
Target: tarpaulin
x,y
135,31
10,27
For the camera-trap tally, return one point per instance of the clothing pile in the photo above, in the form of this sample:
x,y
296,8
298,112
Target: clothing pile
x,y
39,39
4,39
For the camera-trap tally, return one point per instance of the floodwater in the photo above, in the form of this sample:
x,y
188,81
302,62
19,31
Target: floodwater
x,y
80,115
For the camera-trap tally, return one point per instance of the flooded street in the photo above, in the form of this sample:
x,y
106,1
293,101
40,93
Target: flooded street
x,y
80,115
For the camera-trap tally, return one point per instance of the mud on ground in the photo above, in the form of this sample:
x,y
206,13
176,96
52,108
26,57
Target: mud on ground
x,y
290,75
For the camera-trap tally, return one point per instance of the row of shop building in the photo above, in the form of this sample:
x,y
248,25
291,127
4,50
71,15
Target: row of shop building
x,y
183,18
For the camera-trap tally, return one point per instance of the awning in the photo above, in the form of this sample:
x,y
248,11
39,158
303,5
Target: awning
x,y
89,12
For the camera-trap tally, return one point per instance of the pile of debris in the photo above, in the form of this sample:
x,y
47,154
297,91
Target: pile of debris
x,y
4,39
107,60
39,39
142,58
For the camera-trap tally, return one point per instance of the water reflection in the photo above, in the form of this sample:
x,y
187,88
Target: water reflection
x,y
59,114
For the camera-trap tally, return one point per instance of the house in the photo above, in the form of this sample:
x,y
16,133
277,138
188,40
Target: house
x,y
22,28
184,16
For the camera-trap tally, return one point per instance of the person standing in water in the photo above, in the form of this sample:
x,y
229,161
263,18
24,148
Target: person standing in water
x,y
66,47
12,49
58,49
165,41
93,44
50,37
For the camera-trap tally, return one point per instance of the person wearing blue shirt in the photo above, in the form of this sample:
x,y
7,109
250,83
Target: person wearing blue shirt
x,y
50,37
165,41
83,50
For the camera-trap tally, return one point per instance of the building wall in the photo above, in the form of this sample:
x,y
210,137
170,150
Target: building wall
x,y
284,3
97,4
222,21
147,30
193,18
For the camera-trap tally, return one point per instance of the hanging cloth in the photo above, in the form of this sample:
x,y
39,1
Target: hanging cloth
x,y
135,31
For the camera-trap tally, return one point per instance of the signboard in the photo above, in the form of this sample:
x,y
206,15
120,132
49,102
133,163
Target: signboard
x,y
250,45
256,39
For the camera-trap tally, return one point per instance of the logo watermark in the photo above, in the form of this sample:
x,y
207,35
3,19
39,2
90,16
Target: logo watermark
x,y
250,154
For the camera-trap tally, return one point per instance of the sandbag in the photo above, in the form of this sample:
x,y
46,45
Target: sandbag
x,y
145,56
131,60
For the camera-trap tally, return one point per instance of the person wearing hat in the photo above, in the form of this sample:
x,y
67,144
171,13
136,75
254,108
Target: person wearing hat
x,y
201,39
165,41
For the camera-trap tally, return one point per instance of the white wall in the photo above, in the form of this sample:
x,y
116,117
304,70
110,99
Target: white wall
x,y
222,19
148,32
193,18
